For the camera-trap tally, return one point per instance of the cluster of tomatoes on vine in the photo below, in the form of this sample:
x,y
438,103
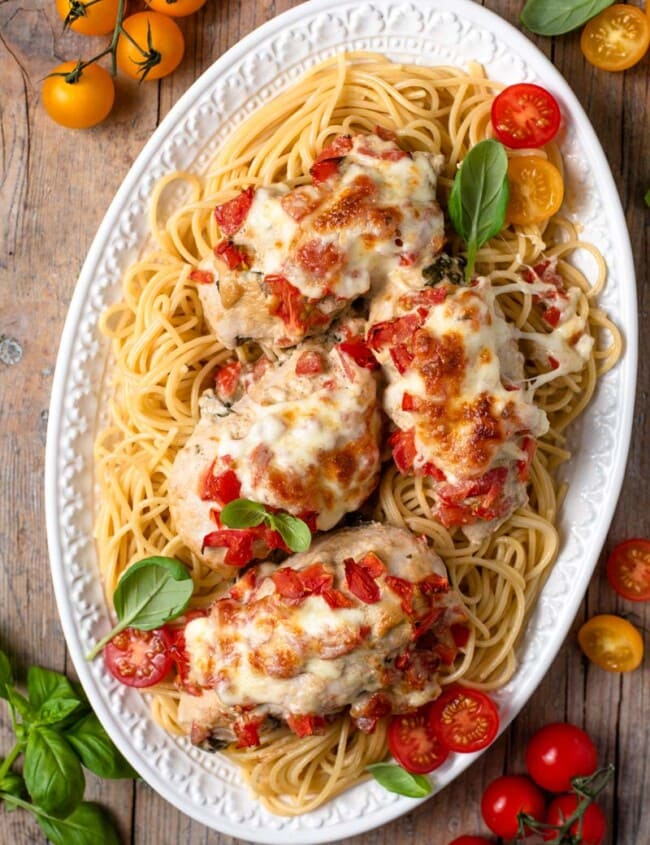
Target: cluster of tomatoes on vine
x,y
145,45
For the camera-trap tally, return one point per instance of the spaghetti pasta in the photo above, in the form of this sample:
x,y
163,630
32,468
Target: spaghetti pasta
x,y
163,360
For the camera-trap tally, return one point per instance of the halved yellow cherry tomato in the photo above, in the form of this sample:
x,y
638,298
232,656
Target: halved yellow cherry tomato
x,y
617,38
611,642
159,50
176,8
536,190
90,17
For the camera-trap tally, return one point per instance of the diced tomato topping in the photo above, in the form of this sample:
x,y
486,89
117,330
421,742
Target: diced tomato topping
x,y
336,599
422,625
360,582
321,171
292,307
300,202
243,585
404,589
552,315
529,446
238,542
432,470
409,402
234,257
227,379
377,706
180,659
406,259
390,332
460,635
319,257
202,277
401,357
404,451
427,296
247,732
288,584
433,584
309,517
316,578
231,215
446,653
553,362
360,353
310,363
222,488
372,564
306,725
340,146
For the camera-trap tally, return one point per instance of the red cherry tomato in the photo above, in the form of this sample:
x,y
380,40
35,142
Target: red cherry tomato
x,y
464,719
628,569
525,115
592,829
413,743
559,752
505,798
471,840
139,658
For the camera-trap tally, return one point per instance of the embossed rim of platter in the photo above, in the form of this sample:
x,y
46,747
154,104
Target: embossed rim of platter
x,y
207,787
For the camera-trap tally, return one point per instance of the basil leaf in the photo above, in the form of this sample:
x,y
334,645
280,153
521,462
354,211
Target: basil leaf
x,y
51,695
20,704
88,824
479,197
57,710
13,784
151,592
555,17
96,750
6,676
396,779
243,513
52,772
294,531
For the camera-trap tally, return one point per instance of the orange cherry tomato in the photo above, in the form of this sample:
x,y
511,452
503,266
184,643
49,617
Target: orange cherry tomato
x,y
617,38
611,642
176,8
628,569
536,190
159,50
82,103
89,17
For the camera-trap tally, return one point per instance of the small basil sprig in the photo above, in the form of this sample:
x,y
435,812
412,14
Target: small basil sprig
x,y
555,17
396,779
57,734
151,592
243,513
479,197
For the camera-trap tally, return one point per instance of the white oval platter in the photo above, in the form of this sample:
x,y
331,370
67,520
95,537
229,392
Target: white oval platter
x,y
207,787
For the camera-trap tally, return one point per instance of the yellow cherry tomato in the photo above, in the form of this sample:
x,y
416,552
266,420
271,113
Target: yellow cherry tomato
x,y
611,642
617,38
176,8
90,17
159,50
536,190
81,102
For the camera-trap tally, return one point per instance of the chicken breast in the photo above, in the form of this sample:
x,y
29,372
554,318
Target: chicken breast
x,y
364,620
303,438
293,259
457,396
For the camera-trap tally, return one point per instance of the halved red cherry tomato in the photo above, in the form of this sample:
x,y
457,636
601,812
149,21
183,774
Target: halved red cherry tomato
x,y
628,569
594,824
464,719
617,38
505,798
559,752
139,658
525,115
414,744
611,642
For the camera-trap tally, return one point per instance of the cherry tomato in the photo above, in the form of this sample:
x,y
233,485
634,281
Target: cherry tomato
x,y
611,642
559,752
628,569
176,8
536,190
413,743
139,658
471,840
525,115
593,827
81,103
160,42
464,719
89,17
617,38
505,798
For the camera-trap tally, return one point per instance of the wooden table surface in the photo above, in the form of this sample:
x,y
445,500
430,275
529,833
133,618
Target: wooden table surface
x,y
55,186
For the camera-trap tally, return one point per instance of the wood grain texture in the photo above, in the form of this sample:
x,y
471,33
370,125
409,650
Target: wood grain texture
x,y
55,186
